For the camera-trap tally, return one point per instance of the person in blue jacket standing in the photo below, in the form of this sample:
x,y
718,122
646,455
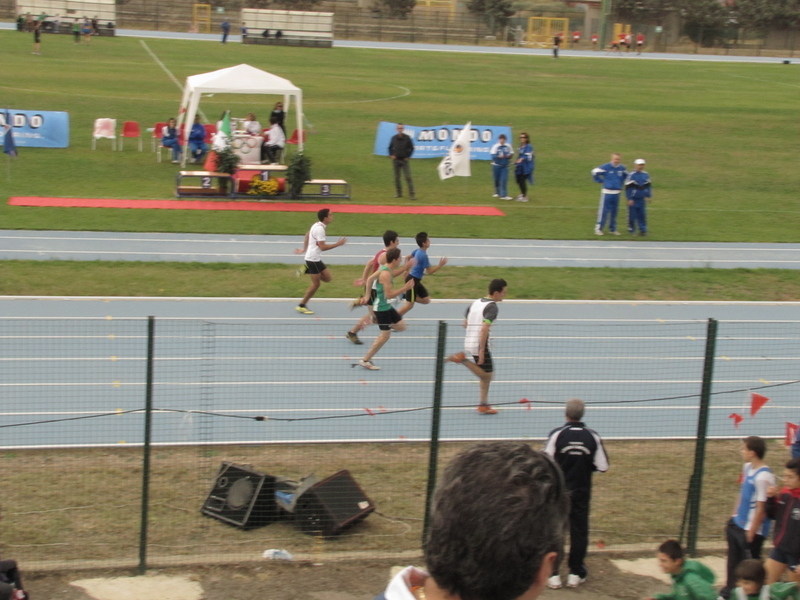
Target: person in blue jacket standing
x,y
612,176
638,192
501,155
524,165
226,29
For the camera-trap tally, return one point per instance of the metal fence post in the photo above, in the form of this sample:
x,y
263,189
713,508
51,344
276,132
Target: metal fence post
x,y
433,457
696,482
148,421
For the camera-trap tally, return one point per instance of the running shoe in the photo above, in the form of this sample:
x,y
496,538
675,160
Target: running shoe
x,y
301,270
574,581
495,195
457,358
304,310
353,337
486,409
355,303
506,198
598,231
367,364
554,582
614,232
522,199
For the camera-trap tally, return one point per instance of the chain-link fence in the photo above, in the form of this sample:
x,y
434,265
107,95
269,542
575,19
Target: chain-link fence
x,y
114,434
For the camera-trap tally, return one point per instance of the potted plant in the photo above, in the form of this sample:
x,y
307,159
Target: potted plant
x,y
227,162
297,174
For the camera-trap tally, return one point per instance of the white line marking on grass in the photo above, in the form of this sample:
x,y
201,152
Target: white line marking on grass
x,y
162,65
16,89
754,79
171,76
405,89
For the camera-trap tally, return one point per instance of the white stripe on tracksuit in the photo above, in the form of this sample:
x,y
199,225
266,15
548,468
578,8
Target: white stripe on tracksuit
x,y
603,192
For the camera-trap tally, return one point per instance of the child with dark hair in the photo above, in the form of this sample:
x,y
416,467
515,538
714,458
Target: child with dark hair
x,y
691,580
783,505
750,584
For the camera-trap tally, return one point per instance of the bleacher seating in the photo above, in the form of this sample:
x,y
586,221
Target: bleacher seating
x,y
68,10
298,28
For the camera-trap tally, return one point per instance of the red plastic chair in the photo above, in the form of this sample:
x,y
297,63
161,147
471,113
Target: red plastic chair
x,y
130,129
211,130
295,138
156,135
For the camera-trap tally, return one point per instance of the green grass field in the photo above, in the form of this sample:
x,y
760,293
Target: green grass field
x,y
721,140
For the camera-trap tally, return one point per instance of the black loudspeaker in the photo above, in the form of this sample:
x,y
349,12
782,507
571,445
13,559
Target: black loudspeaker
x,y
242,497
332,504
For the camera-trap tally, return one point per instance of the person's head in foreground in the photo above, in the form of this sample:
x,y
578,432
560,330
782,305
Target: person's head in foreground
x,y
688,576
497,524
791,474
670,557
750,576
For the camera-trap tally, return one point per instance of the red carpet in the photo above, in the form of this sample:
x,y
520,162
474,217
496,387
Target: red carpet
x,y
481,211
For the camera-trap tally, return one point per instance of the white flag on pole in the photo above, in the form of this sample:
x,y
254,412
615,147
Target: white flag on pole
x,y
457,160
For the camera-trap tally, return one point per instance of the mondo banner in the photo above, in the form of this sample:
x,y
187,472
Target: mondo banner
x,y
38,128
435,142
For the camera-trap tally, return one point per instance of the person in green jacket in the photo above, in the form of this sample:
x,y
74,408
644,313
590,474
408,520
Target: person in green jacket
x,y
750,578
691,580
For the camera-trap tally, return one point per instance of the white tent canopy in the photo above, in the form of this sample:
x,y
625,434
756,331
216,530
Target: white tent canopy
x,y
241,79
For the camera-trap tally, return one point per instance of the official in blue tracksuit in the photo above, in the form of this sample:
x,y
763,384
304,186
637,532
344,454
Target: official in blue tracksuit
x,y
501,155
579,452
638,192
524,166
197,141
612,175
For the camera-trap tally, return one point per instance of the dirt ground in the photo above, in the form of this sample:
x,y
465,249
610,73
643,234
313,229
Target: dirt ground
x,y
344,580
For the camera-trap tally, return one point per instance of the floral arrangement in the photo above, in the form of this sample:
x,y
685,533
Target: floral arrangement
x,y
259,187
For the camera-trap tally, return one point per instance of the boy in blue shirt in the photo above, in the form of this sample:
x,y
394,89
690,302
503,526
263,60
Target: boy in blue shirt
x,y
422,265
612,175
638,192
501,155
749,525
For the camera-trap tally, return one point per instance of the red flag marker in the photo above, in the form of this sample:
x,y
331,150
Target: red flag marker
x,y
791,433
369,412
756,402
737,418
523,401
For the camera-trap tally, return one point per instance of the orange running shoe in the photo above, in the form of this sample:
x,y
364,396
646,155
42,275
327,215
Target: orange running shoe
x,y
486,409
457,358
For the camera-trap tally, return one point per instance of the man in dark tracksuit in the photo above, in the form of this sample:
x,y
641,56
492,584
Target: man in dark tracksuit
x,y
401,147
579,452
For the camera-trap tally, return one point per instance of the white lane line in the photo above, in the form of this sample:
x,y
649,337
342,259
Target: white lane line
x,y
442,244
516,358
394,382
491,259
533,405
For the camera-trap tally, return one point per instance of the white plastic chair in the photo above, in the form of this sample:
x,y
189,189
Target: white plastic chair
x,y
105,128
